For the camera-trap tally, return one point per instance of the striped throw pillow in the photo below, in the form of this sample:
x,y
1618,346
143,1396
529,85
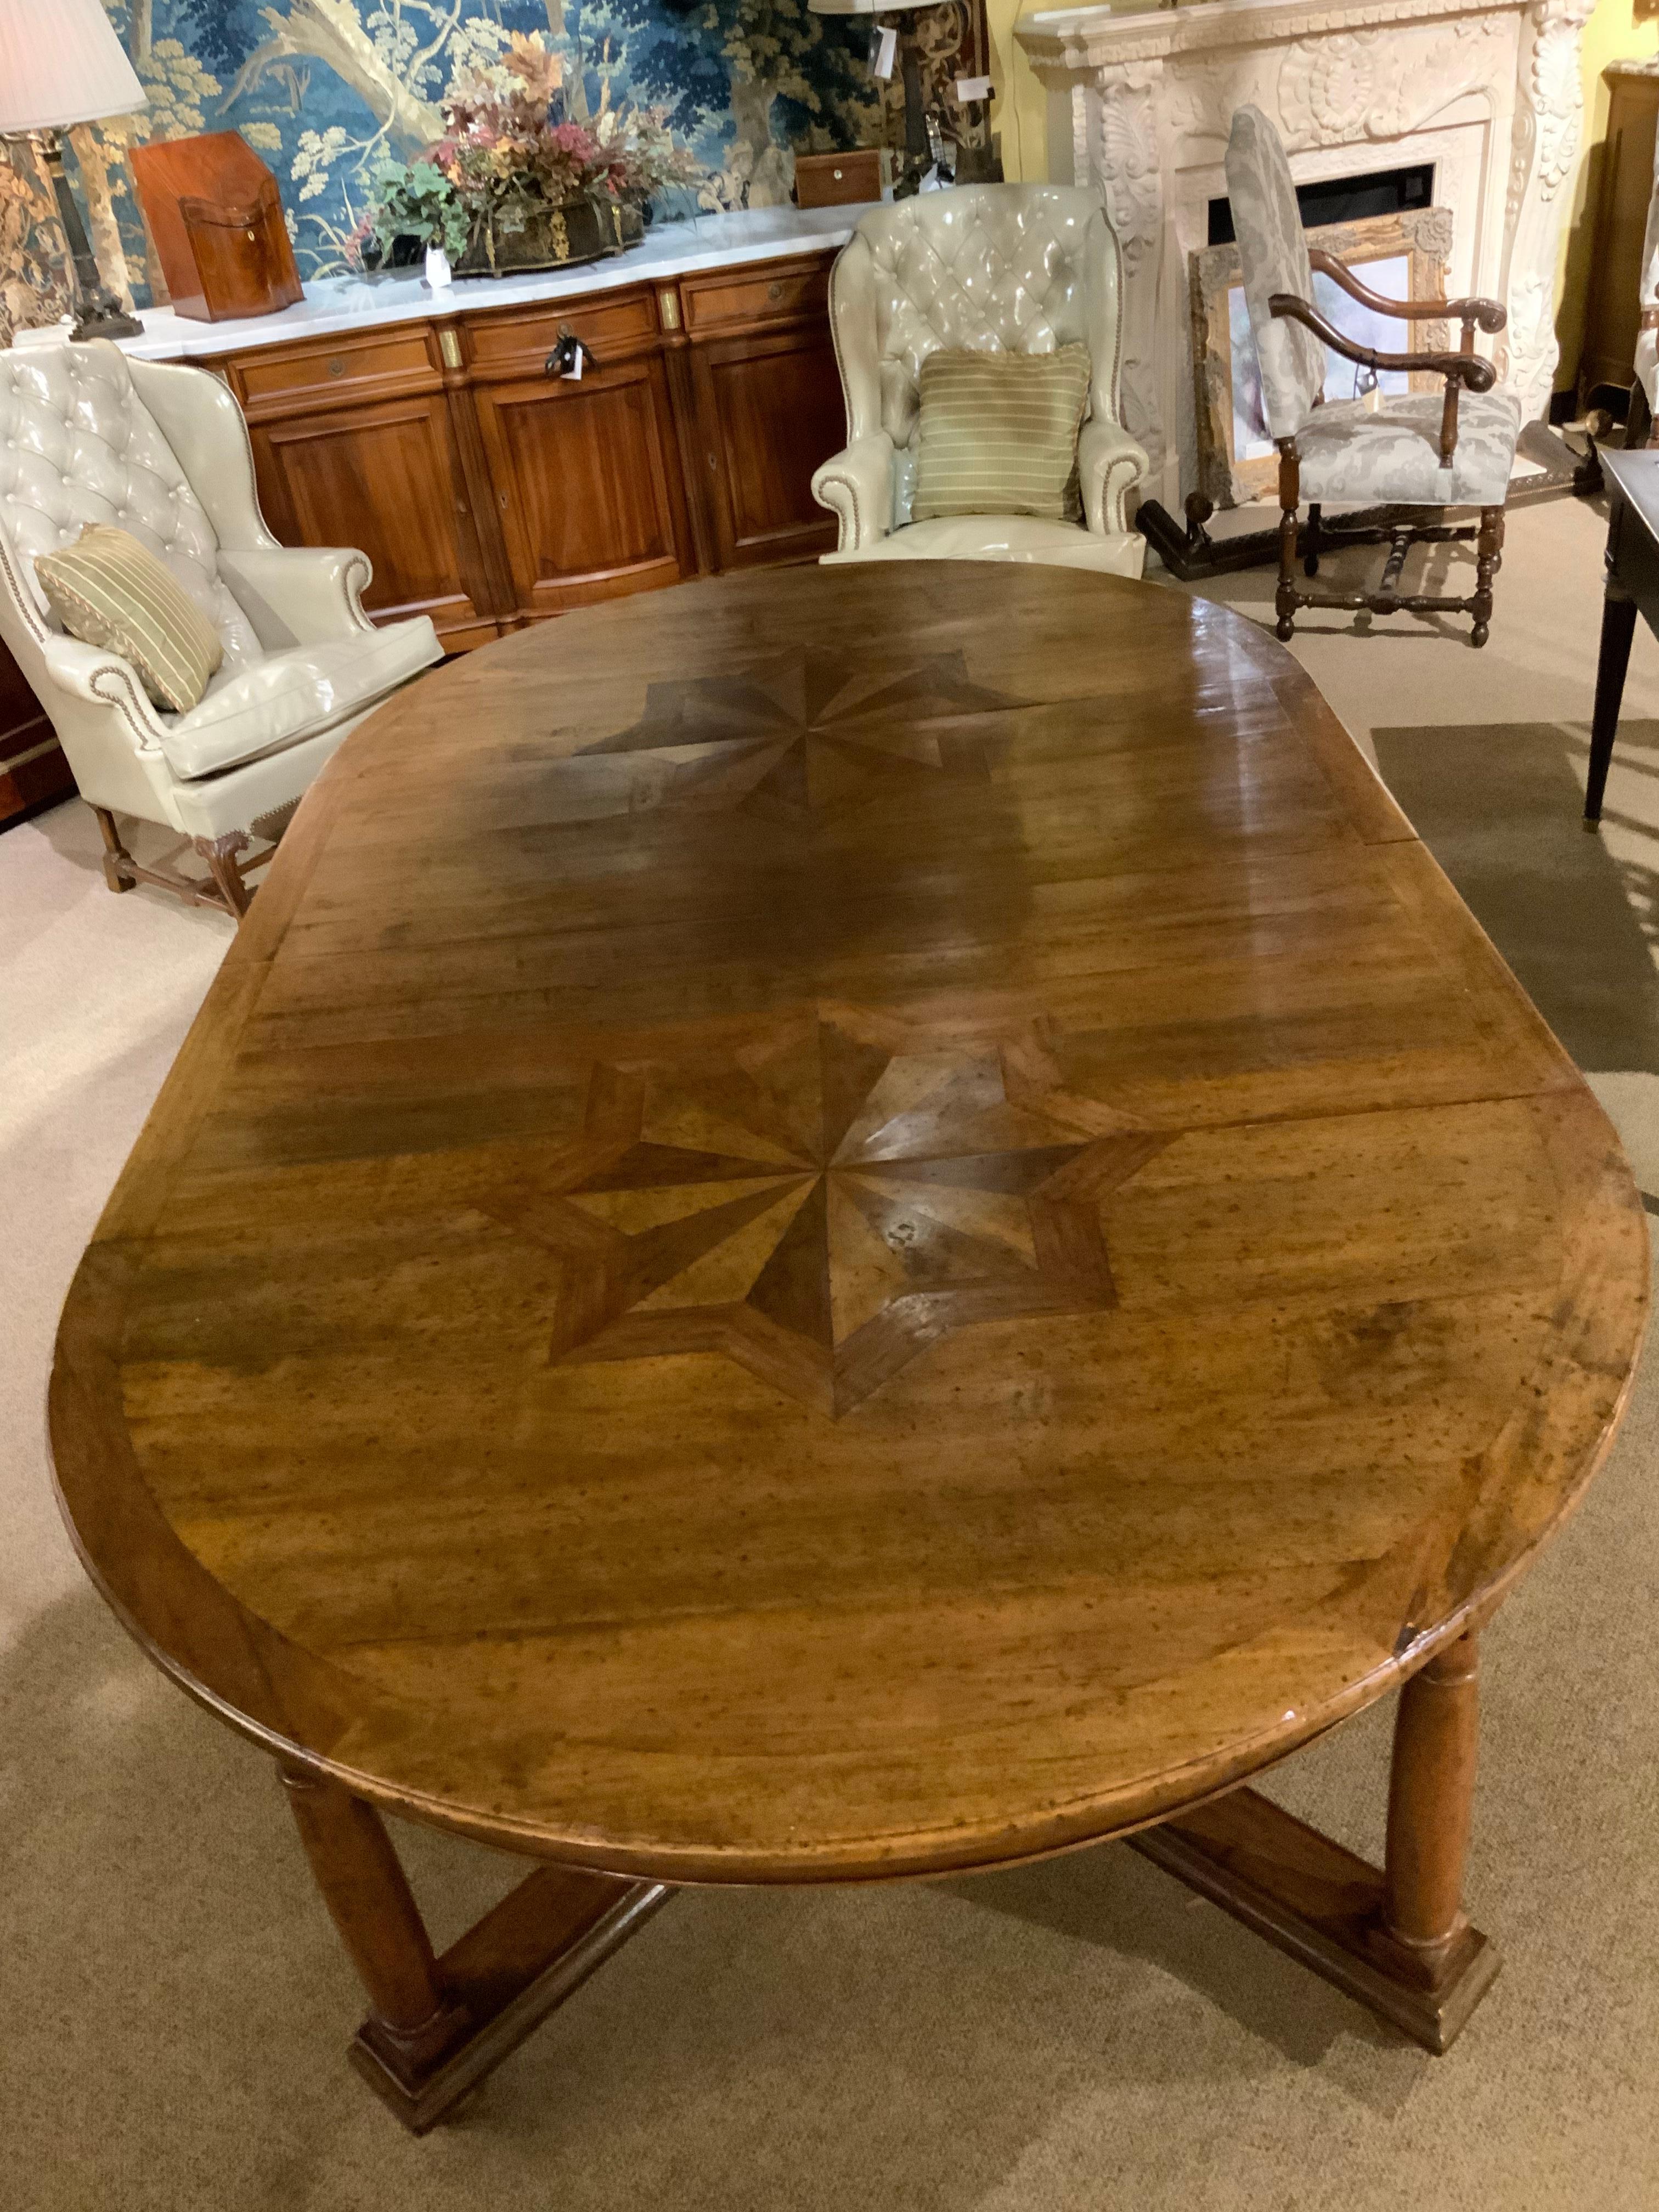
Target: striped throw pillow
x,y
109,589
999,434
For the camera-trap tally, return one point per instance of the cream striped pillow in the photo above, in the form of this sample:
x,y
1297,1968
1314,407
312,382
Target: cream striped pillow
x,y
999,434
109,589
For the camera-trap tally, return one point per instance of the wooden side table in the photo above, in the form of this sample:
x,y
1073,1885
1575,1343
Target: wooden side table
x,y
1632,558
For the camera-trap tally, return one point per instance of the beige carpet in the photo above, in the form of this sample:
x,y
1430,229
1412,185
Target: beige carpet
x,y
1078,2034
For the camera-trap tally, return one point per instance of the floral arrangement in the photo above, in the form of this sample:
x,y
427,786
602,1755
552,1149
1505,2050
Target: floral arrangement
x,y
508,158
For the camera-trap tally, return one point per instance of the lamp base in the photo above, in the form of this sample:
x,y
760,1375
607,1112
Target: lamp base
x,y
99,313
102,316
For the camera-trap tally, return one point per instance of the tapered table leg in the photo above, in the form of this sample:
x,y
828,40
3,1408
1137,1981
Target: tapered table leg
x,y
1618,629
437,2025
1395,1938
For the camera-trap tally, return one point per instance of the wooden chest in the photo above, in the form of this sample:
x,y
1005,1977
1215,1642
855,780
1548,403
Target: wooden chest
x,y
827,180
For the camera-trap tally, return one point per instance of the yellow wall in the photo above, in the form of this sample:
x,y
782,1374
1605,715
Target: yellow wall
x,y
1020,113
1620,30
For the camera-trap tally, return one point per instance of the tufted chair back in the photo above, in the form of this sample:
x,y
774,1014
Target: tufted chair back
x,y
77,445
1272,255
1007,268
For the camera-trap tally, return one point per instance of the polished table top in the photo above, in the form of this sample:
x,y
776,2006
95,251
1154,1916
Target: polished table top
x,y
857,1221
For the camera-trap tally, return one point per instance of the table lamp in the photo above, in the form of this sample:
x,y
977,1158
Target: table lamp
x,y
61,63
917,154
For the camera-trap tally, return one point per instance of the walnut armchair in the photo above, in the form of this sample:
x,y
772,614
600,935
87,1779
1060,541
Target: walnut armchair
x,y
1409,450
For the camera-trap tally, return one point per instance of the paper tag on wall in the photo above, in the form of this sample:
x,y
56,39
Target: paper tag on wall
x,y
886,48
973,87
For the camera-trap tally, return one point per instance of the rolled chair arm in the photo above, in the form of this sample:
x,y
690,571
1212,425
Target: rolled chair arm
x,y
856,485
1110,464
299,595
94,673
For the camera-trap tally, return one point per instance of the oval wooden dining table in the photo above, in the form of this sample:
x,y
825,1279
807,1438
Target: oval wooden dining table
x,y
843,1224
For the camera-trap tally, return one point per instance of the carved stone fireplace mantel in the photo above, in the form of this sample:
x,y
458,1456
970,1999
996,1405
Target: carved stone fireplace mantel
x,y
1141,103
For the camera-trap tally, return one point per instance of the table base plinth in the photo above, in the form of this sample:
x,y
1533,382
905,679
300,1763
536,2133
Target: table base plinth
x,y
1309,1897
502,1979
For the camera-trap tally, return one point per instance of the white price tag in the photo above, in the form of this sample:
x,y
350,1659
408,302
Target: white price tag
x,y
973,87
576,366
886,48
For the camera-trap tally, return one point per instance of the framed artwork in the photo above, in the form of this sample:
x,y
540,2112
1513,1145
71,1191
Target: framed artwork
x,y
1402,256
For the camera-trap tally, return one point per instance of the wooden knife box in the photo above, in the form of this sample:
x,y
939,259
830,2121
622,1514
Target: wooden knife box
x,y
215,216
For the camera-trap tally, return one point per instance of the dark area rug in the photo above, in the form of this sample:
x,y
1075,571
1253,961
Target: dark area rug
x,y
1500,807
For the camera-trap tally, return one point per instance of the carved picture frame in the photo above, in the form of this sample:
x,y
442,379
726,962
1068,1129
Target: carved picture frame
x,y
1421,238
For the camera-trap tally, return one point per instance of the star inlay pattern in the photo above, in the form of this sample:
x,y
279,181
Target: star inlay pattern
x,y
812,730
824,1198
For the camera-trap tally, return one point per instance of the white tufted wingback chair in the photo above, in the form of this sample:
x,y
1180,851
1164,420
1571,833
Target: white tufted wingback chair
x,y
1007,268
88,435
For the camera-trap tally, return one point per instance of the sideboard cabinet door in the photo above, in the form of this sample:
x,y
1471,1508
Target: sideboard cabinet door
x,y
383,476
586,476
770,411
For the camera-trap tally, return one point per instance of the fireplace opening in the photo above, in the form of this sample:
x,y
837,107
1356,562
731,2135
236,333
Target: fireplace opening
x,y
1344,199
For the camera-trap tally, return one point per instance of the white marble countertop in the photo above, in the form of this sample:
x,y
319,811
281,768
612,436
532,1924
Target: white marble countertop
x,y
347,303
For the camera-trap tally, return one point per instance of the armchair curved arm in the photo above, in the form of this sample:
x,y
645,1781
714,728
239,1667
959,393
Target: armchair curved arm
x,y
856,484
1110,464
1456,367
299,595
1487,314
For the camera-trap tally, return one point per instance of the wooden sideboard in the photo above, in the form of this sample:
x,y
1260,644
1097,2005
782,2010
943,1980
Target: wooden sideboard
x,y
488,494
33,772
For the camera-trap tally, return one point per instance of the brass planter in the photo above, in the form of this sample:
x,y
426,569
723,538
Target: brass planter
x,y
581,230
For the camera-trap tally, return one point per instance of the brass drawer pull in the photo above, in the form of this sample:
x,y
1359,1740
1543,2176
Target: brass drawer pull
x,y
336,366
774,291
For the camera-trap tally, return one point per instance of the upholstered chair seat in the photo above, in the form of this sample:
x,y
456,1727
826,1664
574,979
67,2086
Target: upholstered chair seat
x,y
1000,268
161,452
1392,453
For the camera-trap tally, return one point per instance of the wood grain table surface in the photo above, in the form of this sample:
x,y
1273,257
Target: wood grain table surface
x,y
844,1224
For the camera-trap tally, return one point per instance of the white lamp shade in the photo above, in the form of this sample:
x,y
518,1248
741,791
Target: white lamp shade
x,y
61,62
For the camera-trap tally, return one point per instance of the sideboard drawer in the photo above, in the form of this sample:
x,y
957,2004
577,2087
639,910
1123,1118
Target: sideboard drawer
x,y
344,369
769,296
515,343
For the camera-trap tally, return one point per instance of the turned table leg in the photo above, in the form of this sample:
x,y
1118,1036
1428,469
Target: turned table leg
x,y
370,1902
1395,1937
1430,1804
437,2025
